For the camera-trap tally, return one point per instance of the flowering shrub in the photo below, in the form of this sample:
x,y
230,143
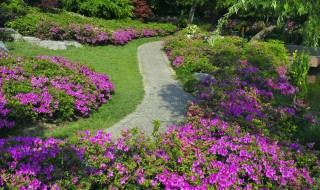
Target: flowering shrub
x,y
251,85
88,34
250,97
48,88
202,155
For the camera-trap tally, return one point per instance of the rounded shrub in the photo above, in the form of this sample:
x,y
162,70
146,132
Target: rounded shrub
x,y
48,88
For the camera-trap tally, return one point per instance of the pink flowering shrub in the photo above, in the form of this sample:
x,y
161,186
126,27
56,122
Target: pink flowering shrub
x,y
48,88
203,155
88,34
83,33
251,85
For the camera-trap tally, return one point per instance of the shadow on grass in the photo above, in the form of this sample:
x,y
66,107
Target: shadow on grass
x,y
35,129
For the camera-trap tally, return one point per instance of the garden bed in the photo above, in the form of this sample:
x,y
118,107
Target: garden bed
x,y
94,31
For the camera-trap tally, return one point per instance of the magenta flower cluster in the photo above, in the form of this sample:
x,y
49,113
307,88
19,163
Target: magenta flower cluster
x,y
178,61
88,34
206,154
35,88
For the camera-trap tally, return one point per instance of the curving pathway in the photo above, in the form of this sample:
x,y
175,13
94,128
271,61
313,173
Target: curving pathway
x,y
164,98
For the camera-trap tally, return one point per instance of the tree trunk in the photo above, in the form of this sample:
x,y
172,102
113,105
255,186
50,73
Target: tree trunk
x,y
193,9
260,35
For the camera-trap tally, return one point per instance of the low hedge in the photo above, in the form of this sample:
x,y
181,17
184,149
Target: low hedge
x,y
48,88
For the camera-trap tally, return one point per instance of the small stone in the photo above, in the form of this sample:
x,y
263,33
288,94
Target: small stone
x,y
73,43
54,45
201,76
3,47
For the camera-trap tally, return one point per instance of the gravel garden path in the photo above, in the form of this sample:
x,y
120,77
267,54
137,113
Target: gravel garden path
x,y
164,98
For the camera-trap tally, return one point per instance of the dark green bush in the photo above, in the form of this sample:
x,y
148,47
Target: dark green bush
x,y
108,9
10,9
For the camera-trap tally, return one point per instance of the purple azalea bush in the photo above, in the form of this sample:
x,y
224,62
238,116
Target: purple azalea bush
x,y
48,88
88,34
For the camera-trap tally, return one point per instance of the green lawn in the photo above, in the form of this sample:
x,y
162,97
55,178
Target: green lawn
x,y
118,62
313,96
312,134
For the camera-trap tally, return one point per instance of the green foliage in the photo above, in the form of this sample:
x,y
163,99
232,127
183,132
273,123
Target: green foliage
x,y
299,72
5,36
15,6
9,9
268,53
100,8
156,126
228,49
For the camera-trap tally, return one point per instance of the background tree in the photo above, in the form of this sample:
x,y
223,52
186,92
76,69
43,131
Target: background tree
x,y
280,10
141,9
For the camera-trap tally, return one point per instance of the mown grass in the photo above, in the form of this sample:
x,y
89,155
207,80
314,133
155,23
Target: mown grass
x,y
312,134
118,62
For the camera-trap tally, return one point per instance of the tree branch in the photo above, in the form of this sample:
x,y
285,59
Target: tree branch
x,y
260,35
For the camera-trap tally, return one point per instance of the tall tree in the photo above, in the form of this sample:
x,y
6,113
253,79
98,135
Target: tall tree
x,y
193,4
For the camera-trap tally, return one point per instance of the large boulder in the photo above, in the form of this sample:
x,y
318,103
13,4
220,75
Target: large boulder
x,y
50,44
54,45
14,34
73,43
31,40
3,47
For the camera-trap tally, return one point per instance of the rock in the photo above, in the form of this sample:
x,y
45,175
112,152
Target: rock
x,y
54,45
3,47
73,43
14,34
31,40
50,44
201,76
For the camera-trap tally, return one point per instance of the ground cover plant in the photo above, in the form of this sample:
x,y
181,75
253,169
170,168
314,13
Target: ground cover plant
x,y
49,88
